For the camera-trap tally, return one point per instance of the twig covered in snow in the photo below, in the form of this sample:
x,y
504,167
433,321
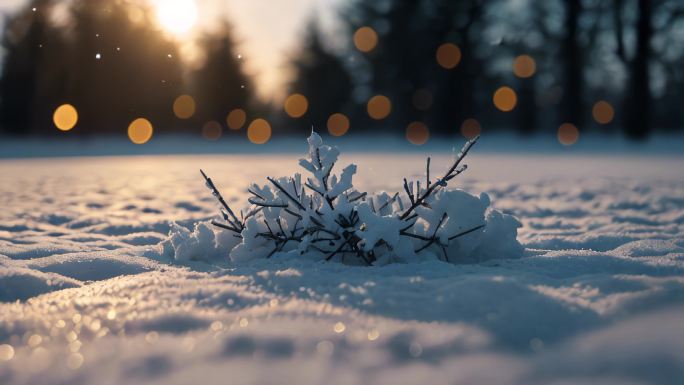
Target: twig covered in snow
x,y
325,217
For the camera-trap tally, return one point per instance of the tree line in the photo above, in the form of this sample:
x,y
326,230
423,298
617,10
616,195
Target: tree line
x,y
602,65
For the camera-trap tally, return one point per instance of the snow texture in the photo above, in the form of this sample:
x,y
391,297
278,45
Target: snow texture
x,y
91,293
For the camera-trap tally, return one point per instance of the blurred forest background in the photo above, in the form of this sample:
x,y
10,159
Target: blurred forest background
x,y
414,68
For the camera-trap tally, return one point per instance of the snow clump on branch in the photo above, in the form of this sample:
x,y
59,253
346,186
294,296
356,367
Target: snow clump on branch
x,y
323,217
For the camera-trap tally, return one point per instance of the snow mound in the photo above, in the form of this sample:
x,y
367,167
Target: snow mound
x,y
323,217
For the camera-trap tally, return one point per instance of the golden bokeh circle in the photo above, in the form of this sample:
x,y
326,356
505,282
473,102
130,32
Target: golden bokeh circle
x,y
365,39
470,128
603,112
259,131
140,131
184,107
524,66
296,105
65,117
338,124
568,134
417,133
212,130
236,119
505,99
448,55
379,107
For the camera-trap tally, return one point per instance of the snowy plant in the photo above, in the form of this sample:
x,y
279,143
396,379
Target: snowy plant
x,y
322,216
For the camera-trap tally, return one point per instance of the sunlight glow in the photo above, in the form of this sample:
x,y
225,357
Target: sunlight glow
x,y
176,16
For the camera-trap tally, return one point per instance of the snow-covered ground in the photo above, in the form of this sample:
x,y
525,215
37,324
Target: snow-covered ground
x,y
88,297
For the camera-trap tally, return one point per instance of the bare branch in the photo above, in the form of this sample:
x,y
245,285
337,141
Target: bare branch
x,y
390,201
450,174
427,173
224,226
218,196
409,193
433,239
287,194
356,198
451,238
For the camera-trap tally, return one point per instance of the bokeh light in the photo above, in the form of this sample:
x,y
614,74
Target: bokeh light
x,y
505,99
296,105
603,112
422,99
379,107
74,361
339,327
140,131
184,107
34,340
259,131
373,334
236,119
417,133
338,124
470,128
212,130
65,117
568,134
6,352
524,66
365,39
448,55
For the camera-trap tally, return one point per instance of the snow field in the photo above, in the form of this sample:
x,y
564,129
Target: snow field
x,y
89,294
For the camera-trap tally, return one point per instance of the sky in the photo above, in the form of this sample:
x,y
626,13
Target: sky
x,y
267,31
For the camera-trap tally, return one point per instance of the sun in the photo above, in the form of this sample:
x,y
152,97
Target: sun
x,y
176,16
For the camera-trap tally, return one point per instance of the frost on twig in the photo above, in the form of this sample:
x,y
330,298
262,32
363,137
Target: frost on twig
x,y
323,216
